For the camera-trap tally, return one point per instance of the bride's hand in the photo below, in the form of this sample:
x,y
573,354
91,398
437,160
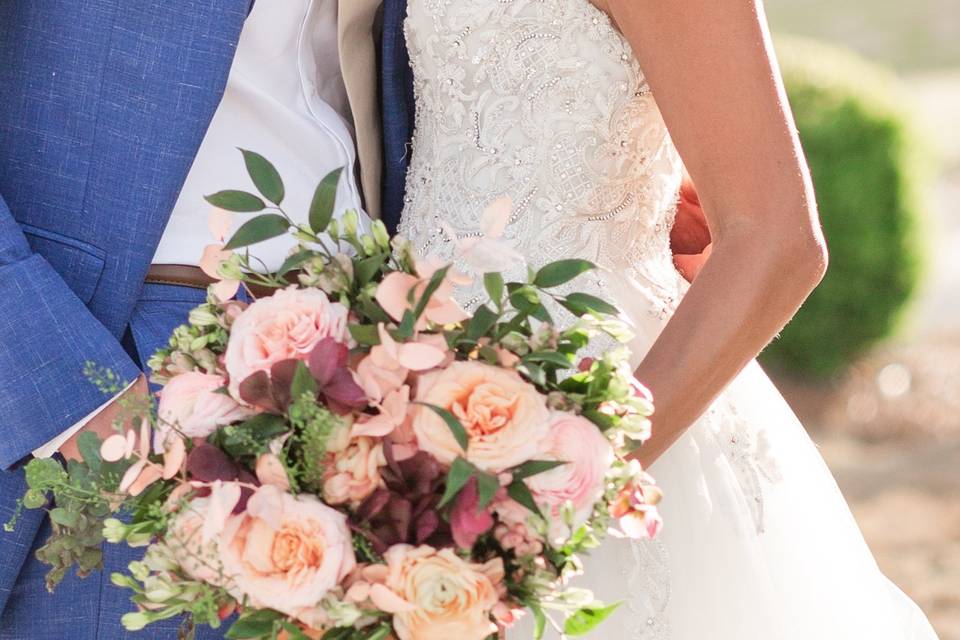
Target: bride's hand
x,y
712,69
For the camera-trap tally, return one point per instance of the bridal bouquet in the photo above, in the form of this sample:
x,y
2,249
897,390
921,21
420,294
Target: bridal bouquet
x,y
355,456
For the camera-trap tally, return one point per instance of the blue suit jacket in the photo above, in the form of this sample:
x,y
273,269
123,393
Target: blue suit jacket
x,y
103,105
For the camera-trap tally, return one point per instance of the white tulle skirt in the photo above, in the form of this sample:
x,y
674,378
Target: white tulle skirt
x,y
758,542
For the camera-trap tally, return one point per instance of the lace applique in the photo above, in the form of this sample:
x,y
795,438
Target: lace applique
x,y
749,455
648,586
544,101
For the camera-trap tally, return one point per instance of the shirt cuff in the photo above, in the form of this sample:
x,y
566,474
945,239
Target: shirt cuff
x,y
52,446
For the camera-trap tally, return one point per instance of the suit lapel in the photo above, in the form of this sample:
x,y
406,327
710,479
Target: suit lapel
x,y
358,60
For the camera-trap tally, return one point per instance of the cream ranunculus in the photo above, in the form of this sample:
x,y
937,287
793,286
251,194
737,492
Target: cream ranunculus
x,y
450,598
505,417
352,469
284,326
285,552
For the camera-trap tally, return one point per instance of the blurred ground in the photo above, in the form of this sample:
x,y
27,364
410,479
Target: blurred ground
x,y
890,427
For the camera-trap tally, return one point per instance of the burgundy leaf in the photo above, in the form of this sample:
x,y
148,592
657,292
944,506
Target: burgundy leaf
x,y
281,378
372,506
256,390
206,463
342,390
427,524
468,520
328,356
246,492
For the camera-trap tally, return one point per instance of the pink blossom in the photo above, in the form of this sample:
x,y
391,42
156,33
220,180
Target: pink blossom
x,y
468,520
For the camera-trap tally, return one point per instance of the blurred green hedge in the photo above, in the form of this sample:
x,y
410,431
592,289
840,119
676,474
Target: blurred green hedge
x,y
870,171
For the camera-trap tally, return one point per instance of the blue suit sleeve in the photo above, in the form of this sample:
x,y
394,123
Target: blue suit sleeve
x,y
47,335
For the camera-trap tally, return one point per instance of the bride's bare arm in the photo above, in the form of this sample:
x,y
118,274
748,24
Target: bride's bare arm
x,y
712,69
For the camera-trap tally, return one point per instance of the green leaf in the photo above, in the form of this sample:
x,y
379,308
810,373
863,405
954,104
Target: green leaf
x,y
34,499
293,631
561,272
539,620
378,633
294,261
493,283
581,303
586,619
459,433
236,201
65,518
324,200
407,324
303,381
264,175
254,625
520,492
481,323
364,270
365,334
258,229
534,467
88,443
487,486
533,372
457,478
552,357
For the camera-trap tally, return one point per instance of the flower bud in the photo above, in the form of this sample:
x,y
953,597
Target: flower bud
x,y
380,234
114,531
135,621
368,245
350,221
203,317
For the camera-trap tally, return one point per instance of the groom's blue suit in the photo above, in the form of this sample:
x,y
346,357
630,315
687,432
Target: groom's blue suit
x,y
103,105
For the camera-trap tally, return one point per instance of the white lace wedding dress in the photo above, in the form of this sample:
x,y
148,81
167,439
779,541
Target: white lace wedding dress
x,y
544,101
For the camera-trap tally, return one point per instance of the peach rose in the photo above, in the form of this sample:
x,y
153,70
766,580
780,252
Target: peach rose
x,y
504,416
352,470
285,552
580,482
194,531
190,403
450,598
287,325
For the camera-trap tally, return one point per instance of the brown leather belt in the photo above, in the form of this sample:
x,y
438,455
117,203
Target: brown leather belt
x,y
184,275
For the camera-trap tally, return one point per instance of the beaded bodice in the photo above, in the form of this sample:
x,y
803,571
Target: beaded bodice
x,y
544,101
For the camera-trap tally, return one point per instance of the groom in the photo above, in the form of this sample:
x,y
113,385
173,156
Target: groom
x,y
104,105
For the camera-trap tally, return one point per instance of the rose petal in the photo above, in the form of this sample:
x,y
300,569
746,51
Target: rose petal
x,y
219,223
270,470
358,592
393,291
144,443
420,357
150,474
174,457
211,258
374,426
226,289
447,312
386,600
114,448
494,219
375,573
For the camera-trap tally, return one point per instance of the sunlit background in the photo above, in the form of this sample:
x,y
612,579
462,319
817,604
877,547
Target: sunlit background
x,y
872,363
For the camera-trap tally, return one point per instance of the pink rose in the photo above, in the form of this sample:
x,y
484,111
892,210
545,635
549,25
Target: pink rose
x,y
285,552
580,482
191,403
352,468
504,416
284,326
448,596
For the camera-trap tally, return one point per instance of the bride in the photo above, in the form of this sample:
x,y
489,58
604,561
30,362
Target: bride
x,y
581,113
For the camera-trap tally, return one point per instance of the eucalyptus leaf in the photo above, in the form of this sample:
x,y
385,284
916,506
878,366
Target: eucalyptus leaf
x,y
561,272
256,624
586,619
550,357
366,269
264,175
88,443
365,334
457,477
257,230
64,517
324,200
293,262
236,201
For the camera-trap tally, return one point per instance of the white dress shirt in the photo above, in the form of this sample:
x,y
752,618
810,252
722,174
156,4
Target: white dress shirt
x,y
284,99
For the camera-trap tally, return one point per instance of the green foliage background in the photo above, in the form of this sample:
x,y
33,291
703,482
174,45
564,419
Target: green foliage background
x,y
870,170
